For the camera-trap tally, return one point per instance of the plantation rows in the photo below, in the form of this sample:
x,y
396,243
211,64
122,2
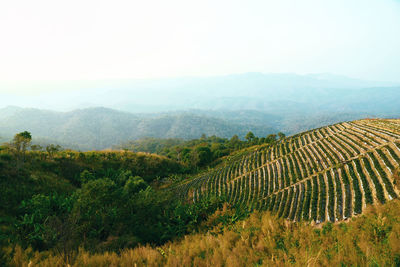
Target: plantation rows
x,y
330,173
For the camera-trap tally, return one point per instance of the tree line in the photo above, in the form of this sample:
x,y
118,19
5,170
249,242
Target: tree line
x,y
201,152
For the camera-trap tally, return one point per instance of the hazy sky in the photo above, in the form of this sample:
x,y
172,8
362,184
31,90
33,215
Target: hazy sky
x,y
93,39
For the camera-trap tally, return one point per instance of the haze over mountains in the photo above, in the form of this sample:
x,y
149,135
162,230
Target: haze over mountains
x,y
101,128
188,107
255,91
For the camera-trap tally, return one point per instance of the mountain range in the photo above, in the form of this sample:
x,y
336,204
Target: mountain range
x,y
277,93
101,128
100,114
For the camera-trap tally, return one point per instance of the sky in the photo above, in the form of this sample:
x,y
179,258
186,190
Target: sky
x,y
52,40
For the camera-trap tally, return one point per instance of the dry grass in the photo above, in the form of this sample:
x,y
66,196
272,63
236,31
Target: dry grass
x,y
261,240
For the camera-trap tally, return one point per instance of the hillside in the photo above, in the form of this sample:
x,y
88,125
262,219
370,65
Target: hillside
x,y
260,203
100,128
326,174
261,240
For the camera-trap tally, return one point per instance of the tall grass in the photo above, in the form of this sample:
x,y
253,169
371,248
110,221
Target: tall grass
x,y
371,239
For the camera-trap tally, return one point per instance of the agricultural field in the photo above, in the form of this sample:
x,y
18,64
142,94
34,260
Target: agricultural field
x,y
326,174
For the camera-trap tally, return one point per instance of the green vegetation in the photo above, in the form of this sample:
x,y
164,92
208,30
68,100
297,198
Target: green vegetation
x,y
357,191
331,204
307,202
261,240
69,206
339,196
51,201
300,158
378,187
198,152
365,184
322,198
382,173
314,203
349,198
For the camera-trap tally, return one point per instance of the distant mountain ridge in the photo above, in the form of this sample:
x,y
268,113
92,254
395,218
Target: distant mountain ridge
x,y
255,91
100,128
190,106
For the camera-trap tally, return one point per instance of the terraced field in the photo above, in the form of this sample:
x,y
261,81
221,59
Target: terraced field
x,y
330,173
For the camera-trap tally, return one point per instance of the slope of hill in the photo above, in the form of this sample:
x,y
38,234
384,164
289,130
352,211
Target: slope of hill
x,y
327,174
261,240
330,173
100,128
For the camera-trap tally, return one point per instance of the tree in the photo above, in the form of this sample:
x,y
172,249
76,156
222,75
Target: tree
x,y
19,144
270,139
37,211
96,207
184,155
51,149
86,176
134,185
250,136
234,142
201,156
281,136
219,150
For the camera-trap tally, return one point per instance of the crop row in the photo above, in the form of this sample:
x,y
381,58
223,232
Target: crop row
x,y
328,173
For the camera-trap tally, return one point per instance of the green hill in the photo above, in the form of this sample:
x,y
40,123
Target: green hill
x,y
260,203
326,174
